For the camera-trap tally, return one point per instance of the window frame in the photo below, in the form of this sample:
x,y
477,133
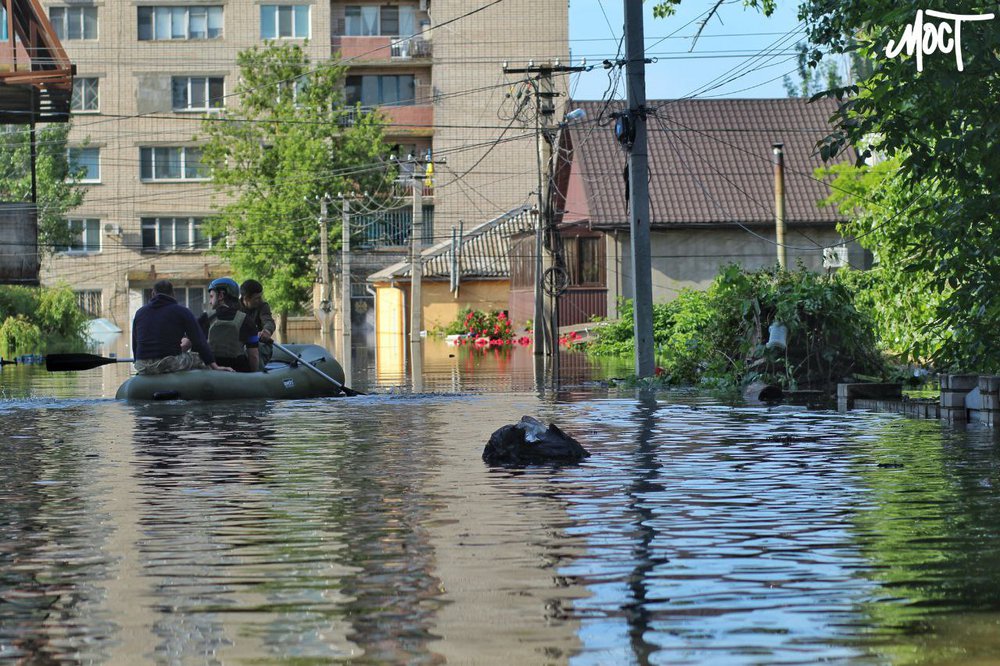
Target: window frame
x,y
153,15
75,162
207,81
91,224
61,26
90,87
87,298
155,225
356,83
274,21
157,160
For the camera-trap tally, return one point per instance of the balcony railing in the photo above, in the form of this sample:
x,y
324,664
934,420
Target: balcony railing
x,y
414,47
392,228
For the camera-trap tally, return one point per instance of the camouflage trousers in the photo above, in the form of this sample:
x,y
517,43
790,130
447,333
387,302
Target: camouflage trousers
x,y
160,366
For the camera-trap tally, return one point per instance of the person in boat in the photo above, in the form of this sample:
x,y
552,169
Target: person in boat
x,y
231,334
159,330
259,312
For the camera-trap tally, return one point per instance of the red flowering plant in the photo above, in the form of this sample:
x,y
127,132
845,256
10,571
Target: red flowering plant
x,y
488,329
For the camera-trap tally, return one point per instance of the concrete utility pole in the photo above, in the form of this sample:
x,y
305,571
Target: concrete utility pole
x,y
544,337
416,262
638,183
345,287
324,270
779,203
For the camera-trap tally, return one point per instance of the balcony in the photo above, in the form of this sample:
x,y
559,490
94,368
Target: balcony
x,y
382,49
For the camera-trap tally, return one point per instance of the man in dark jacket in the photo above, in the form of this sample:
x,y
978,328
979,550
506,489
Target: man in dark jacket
x,y
157,331
259,312
231,334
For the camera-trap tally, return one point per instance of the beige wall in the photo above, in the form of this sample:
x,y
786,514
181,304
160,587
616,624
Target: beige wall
x,y
441,307
135,111
690,259
469,54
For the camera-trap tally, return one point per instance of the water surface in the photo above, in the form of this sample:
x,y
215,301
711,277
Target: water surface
x,y
368,530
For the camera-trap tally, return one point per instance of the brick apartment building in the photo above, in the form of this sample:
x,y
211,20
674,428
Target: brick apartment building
x,y
148,70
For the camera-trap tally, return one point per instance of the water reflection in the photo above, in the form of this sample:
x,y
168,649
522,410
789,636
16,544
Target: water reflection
x,y
369,530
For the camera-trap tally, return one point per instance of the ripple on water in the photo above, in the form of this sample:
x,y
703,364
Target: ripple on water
x,y
370,530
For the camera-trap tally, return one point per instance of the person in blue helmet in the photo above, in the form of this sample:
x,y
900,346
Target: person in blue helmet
x,y
231,335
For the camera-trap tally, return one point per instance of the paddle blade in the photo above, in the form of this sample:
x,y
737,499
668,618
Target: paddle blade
x,y
72,362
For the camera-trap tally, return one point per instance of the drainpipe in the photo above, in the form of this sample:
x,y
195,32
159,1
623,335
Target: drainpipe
x,y
779,203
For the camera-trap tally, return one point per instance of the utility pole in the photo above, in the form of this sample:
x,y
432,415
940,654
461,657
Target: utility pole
x,y
779,203
345,287
638,183
324,270
416,262
544,336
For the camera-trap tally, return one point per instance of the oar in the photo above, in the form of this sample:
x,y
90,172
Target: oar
x,y
347,391
70,362
4,362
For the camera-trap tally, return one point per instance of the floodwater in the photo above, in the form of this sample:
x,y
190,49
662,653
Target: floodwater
x,y
368,530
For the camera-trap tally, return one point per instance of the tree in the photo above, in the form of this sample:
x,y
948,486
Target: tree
x,y
942,224
288,141
56,183
812,80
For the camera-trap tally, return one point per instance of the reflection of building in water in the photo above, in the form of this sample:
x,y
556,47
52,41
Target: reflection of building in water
x,y
499,540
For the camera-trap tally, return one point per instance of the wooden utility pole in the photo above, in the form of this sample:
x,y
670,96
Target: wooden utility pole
x,y
638,183
345,287
779,203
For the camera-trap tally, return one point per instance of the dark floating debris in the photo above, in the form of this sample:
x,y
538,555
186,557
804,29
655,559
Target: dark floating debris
x,y
529,442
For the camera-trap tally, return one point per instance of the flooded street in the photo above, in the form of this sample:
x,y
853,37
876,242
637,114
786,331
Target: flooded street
x,y
369,530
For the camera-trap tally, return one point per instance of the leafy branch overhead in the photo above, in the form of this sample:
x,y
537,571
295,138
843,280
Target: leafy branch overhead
x,y
287,140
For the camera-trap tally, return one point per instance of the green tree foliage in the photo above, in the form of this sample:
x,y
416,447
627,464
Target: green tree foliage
x,y
34,319
57,191
285,141
811,79
719,336
905,304
940,123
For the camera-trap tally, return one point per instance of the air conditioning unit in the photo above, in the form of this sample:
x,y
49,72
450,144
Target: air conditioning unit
x,y
835,257
112,229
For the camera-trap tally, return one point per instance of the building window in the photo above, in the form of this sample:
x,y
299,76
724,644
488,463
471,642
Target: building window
x,y
370,20
85,94
585,261
381,90
170,22
87,163
74,22
171,163
197,93
89,300
3,20
192,297
86,236
284,21
165,234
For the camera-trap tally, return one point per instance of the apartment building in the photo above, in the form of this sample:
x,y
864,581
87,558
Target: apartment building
x,y
149,70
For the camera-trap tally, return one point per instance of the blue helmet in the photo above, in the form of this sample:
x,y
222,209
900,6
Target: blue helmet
x,y
225,285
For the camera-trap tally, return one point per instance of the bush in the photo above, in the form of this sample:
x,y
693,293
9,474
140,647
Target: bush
x,y
56,321
719,336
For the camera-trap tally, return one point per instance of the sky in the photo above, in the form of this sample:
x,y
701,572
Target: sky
x,y
726,61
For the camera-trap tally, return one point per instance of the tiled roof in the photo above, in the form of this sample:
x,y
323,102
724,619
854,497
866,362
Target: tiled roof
x,y
483,251
710,161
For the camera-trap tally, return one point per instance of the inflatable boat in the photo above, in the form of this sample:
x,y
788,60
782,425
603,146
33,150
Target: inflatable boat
x,y
288,375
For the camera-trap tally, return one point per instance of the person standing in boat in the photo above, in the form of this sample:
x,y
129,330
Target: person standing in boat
x,y
231,334
164,333
259,312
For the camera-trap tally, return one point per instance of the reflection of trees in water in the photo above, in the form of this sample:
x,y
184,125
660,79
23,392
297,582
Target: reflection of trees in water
x,y
932,534
52,534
